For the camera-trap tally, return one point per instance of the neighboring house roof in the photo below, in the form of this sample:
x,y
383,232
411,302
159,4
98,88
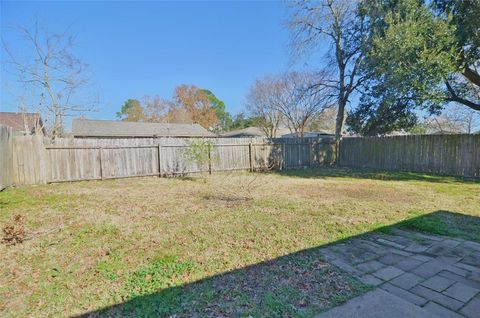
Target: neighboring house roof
x,y
25,123
112,128
309,134
252,132
245,132
400,132
444,132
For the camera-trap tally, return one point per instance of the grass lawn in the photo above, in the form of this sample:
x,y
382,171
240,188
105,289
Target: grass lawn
x,y
224,245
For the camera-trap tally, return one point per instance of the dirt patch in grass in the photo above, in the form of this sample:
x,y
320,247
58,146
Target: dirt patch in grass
x,y
97,234
226,200
364,190
13,231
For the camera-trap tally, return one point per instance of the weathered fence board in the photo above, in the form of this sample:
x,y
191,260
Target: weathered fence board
x,y
442,154
6,157
30,162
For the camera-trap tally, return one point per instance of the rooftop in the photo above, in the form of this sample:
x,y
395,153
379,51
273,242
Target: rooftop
x,y
112,128
253,132
23,122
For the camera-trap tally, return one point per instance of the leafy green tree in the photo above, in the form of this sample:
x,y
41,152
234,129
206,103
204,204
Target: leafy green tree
x,y
464,17
199,152
241,121
224,118
379,116
131,110
417,59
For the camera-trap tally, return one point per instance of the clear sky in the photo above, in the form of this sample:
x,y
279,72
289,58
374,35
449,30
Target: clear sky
x,y
135,49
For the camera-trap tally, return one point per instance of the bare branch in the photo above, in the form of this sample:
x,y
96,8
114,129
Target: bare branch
x,y
336,21
53,69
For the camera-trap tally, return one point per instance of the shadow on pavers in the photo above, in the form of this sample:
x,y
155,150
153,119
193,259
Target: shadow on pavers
x,y
300,284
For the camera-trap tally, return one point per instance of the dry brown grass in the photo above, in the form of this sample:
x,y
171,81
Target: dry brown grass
x,y
108,229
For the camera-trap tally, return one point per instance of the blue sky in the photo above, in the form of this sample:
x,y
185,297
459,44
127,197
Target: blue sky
x,y
135,49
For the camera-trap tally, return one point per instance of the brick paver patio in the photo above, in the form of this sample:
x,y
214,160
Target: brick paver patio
x,y
439,274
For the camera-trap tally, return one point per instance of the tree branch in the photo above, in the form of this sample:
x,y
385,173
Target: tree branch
x,y
455,98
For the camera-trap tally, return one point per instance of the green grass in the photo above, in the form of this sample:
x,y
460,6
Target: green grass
x,y
279,288
377,175
445,223
161,274
227,245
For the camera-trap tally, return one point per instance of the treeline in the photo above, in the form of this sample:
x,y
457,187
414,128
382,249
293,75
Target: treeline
x,y
292,100
390,65
189,104
399,64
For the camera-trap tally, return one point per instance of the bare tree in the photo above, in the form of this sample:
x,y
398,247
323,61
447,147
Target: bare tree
x,y
302,96
262,104
454,119
337,22
325,121
156,109
472,121
51,68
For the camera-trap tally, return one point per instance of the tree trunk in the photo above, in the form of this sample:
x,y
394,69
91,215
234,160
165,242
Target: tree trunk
x,y
339,120
339,127
56,126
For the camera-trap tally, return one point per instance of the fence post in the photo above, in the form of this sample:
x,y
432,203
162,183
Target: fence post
x,y
160,161
265,155
250,156
311,143
284,152
209,159
101,162
337,152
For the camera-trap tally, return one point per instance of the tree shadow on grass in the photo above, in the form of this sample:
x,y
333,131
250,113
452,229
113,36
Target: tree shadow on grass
x,y
300,284
341,172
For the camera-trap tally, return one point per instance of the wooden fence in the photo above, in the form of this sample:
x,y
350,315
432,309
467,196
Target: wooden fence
x,y
37,160
6,155
442,154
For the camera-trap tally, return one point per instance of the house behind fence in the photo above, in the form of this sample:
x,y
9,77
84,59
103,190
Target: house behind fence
x,y
253,132
23,123
89,128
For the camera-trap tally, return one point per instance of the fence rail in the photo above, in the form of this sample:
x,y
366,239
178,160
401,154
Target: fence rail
x,y
457,155
97,159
